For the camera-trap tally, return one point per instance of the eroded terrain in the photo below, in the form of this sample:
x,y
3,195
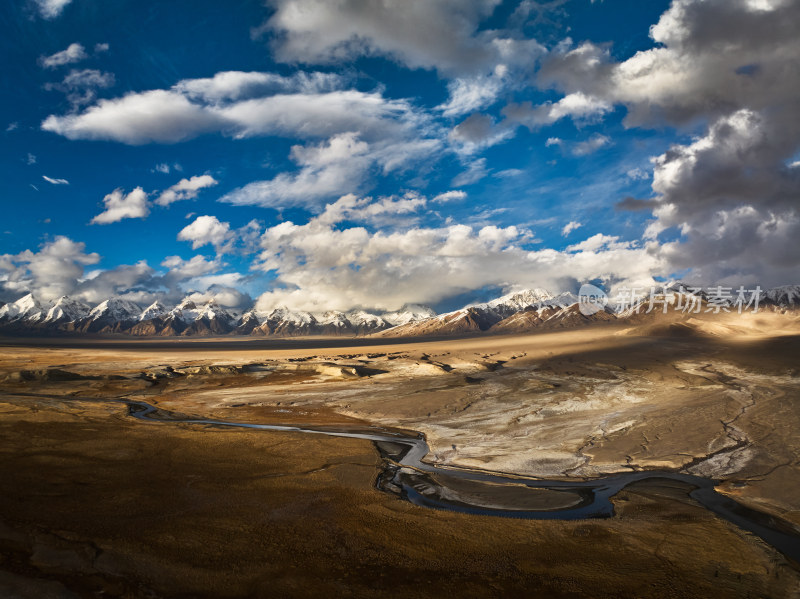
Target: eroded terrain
x,y
573,404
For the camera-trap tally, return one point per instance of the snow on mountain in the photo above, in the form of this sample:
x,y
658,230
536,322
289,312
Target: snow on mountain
x,y
514,312
116,310
292,317
785,296
528,298
407,314
213,311
185,312
154,310
333,318
26,307
67,309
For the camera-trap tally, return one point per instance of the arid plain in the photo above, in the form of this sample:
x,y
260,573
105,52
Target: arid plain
x,y
97,503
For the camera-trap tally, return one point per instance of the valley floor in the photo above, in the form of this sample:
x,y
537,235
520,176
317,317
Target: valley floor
x,y
94,501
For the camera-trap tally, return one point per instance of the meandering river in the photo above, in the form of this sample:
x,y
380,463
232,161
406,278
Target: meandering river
x,y
405,473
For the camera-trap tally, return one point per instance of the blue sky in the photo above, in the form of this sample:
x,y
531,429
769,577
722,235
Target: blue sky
x,y
365,154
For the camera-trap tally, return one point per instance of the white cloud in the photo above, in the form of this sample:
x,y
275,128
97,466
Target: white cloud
x,y
336,166
58,269
52,271
80,86
154,116
240,85
599,242
381,212
416,33
357,134
185,189
325,265
468,94
99,48
189,269
591,145
578,106
208,230
119,206
570,227
50,9
73,53
450,196
88,78
714,57
190,109
55,181
732,198
637,174
730,66
30,159
553,141
509,173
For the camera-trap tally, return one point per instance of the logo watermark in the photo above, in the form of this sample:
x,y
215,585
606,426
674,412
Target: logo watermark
x,y
688,300
591,300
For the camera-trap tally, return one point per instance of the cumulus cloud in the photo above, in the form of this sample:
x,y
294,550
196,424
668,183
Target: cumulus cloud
x,y
53,181
728,67
351,134
342,164
220,289
58,268
73,53
714,57
446,36
327,264
227,105
733,199
336,166
208,230
138,118
52,271
195,267
119,205
185,189
381,212
417,33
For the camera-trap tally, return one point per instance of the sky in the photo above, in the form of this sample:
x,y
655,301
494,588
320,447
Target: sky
x,y
340,154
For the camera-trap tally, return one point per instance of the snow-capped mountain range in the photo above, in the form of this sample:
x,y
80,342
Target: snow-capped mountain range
x,y
116,315
515,312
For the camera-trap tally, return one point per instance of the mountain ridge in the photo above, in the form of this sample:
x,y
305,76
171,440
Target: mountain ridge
x,y
515,312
